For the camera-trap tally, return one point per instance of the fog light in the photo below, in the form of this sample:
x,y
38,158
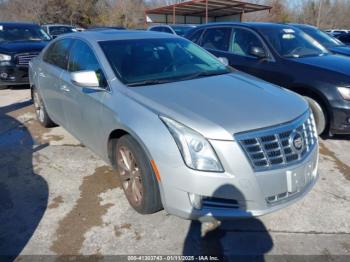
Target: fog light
x,y
3,75
196,200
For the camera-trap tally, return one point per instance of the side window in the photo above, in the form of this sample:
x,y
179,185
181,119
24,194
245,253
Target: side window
x,y
82,58
217,38
57,53
345,39
156,29
195,38
243,41
167,30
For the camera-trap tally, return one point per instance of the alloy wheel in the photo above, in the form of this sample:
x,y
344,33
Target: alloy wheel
x,y
39,108
130,175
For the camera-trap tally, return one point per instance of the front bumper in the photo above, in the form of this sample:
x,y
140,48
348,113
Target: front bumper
x,y
11,74
239,192
341,117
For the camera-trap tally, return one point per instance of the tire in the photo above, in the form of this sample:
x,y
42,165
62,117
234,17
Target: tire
x,y
138,181
3,87
40,110
319,115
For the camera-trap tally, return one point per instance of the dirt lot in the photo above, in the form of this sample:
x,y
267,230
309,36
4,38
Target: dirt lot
x,y
58,198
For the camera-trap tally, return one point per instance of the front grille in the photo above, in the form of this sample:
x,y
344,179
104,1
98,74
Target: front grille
x,y
279,146
24,59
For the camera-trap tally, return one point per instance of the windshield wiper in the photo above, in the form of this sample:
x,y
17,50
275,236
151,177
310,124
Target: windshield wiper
x,y
149,82
187,77
204,74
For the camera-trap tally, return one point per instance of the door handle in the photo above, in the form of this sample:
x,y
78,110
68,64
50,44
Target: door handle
x,y
65,88
42,74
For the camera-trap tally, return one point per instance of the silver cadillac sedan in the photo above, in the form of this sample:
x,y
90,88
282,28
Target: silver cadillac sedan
x,y
186,132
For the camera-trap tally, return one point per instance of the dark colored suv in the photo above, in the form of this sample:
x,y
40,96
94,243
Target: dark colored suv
x,y
19,43
288,57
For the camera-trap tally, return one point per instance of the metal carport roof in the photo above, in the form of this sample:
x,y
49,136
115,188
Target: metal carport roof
x,y
208,8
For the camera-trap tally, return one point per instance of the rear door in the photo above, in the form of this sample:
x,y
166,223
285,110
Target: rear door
x,y
55,60
217,40
82,106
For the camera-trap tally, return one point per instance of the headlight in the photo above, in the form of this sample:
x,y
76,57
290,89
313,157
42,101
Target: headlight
x,y
196,151
345,92
4,58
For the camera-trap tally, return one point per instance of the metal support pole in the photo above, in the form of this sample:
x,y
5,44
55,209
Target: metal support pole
x,y
206,11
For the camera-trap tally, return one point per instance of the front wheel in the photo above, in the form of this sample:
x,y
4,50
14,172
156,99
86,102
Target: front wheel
x,y
138,179
319,115
40,110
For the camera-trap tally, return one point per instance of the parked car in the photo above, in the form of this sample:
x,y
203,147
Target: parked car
x,y
54,30
185,132
331,43
19,43
286,56
344,38
175,29
99,28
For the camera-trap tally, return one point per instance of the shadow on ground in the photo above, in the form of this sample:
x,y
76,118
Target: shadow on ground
x,y
23,194
230,240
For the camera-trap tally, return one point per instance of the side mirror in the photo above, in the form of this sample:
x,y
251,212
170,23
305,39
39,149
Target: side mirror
x,y
258,52
224,60
86,79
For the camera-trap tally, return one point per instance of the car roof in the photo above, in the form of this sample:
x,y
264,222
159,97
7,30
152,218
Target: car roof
x,y
253,25
57,25
174,25
19,24
303,26
112,34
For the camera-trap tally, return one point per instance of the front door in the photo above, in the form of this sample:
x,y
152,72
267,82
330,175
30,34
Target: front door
x,y
83,106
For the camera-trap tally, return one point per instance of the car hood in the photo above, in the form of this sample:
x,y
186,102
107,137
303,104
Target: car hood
x,y
342,50
22,46
220,106
336,63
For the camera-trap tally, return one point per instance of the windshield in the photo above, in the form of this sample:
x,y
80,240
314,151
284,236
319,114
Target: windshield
x,y
293,43
155,61
59,30
323,38
12,33
181,30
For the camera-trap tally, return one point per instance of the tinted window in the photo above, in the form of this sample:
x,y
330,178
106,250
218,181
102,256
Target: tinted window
x,y
57,53
170,59
22,33
59,30
195,38
82,58
322,37
157,29
181,30
167,30
243,41
292,43
345,39
217,38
